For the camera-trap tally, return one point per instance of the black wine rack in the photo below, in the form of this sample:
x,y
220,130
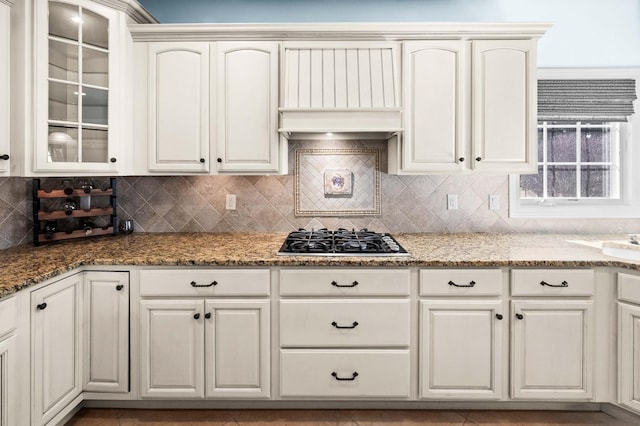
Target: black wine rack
x,y
42,217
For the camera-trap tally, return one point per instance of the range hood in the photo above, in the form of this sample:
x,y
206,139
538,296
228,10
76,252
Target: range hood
x,y
345,89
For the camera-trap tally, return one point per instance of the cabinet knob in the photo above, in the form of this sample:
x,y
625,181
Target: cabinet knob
x,y
113,159
478,158
207,315
461,159
202,160
219,160
196,316
519,316
499,316
119,287
4,157
41,306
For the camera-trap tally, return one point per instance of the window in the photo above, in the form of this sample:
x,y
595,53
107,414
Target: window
x,y
584,163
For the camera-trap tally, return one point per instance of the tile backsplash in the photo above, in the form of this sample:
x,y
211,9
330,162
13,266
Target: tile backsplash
x,y
266,204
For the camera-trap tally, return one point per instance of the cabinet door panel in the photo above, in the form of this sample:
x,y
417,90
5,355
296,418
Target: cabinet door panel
x,y
434,90
461,349
237,348
8,381
172,348
504,105
179,107
629,356
106,332
552,350
56,347
247,106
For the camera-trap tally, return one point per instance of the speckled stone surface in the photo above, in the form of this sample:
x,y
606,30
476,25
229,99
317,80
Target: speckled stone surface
x,y
26,265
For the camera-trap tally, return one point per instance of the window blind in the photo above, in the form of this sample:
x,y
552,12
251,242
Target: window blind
x,y
586,100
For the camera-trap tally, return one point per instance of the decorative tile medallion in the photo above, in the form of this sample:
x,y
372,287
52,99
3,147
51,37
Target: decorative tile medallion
x,y
337,182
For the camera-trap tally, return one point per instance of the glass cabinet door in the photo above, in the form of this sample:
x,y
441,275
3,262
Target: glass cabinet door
x,y
78,123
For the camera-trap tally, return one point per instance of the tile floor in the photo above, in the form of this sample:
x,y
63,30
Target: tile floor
x,y
122,417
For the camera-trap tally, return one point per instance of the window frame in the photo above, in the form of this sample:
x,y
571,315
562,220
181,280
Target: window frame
x,y
628,204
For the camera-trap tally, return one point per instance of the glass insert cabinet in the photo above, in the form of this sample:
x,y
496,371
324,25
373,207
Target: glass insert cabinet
x,y
79,110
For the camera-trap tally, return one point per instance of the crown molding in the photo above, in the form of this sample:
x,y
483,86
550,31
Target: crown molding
x,y
336,31
131,8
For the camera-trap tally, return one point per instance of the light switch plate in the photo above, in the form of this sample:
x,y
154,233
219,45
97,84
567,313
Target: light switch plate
x,y
452,201
494,202
231,202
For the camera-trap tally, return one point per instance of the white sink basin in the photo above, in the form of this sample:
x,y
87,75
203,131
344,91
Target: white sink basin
x,y
623,249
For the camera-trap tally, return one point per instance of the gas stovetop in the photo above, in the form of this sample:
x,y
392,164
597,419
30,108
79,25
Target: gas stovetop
x,y
343,242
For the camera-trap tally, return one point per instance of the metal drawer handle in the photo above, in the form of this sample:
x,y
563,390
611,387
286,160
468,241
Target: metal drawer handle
x,y
471,284
42,306
194,284
562,284
335,284
354,325
345,379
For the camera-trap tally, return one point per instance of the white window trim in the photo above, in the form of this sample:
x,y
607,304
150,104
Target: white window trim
x,y
629,203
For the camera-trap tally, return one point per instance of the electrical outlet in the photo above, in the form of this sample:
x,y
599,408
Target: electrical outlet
x,y
231,202
494,202
452,201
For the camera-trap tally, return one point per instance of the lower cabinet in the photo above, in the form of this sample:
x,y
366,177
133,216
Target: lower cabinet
x,y
461,349
8,383
552,349
56,347
629,355
106,332
205,348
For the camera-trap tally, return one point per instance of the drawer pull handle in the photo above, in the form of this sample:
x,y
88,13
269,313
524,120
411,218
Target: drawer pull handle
x,y
354,325
345,379
194,284
499,316
519,316
471,284
562,284
42,306
335,284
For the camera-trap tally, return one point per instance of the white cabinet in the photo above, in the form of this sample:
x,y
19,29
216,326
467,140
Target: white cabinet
x,y
435,88
337,345
106,332
5,28
629,355
247,106
71,104
178,107
198,346
8,362
552,349
461,352
504,93
55,347
469,105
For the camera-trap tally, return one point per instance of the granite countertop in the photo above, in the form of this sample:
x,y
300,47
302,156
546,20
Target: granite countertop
x,y
26,265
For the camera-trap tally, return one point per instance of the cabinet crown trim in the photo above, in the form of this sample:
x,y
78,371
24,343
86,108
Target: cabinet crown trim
x,y
339,31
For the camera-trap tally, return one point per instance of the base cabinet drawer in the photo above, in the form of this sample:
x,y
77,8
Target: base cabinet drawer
x,y
344,282
552,282
344,323
344,373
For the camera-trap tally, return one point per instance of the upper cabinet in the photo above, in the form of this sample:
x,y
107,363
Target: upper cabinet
x,y
73,111
178,107
470,105
247,106
5,12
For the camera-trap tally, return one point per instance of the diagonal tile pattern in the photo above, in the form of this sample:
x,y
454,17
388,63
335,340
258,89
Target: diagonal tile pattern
x,y
266,204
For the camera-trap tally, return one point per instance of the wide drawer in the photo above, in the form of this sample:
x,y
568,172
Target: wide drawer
x,y
460,282
629,288
344,323
552,282
204,282
8,315
341,282
344,373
